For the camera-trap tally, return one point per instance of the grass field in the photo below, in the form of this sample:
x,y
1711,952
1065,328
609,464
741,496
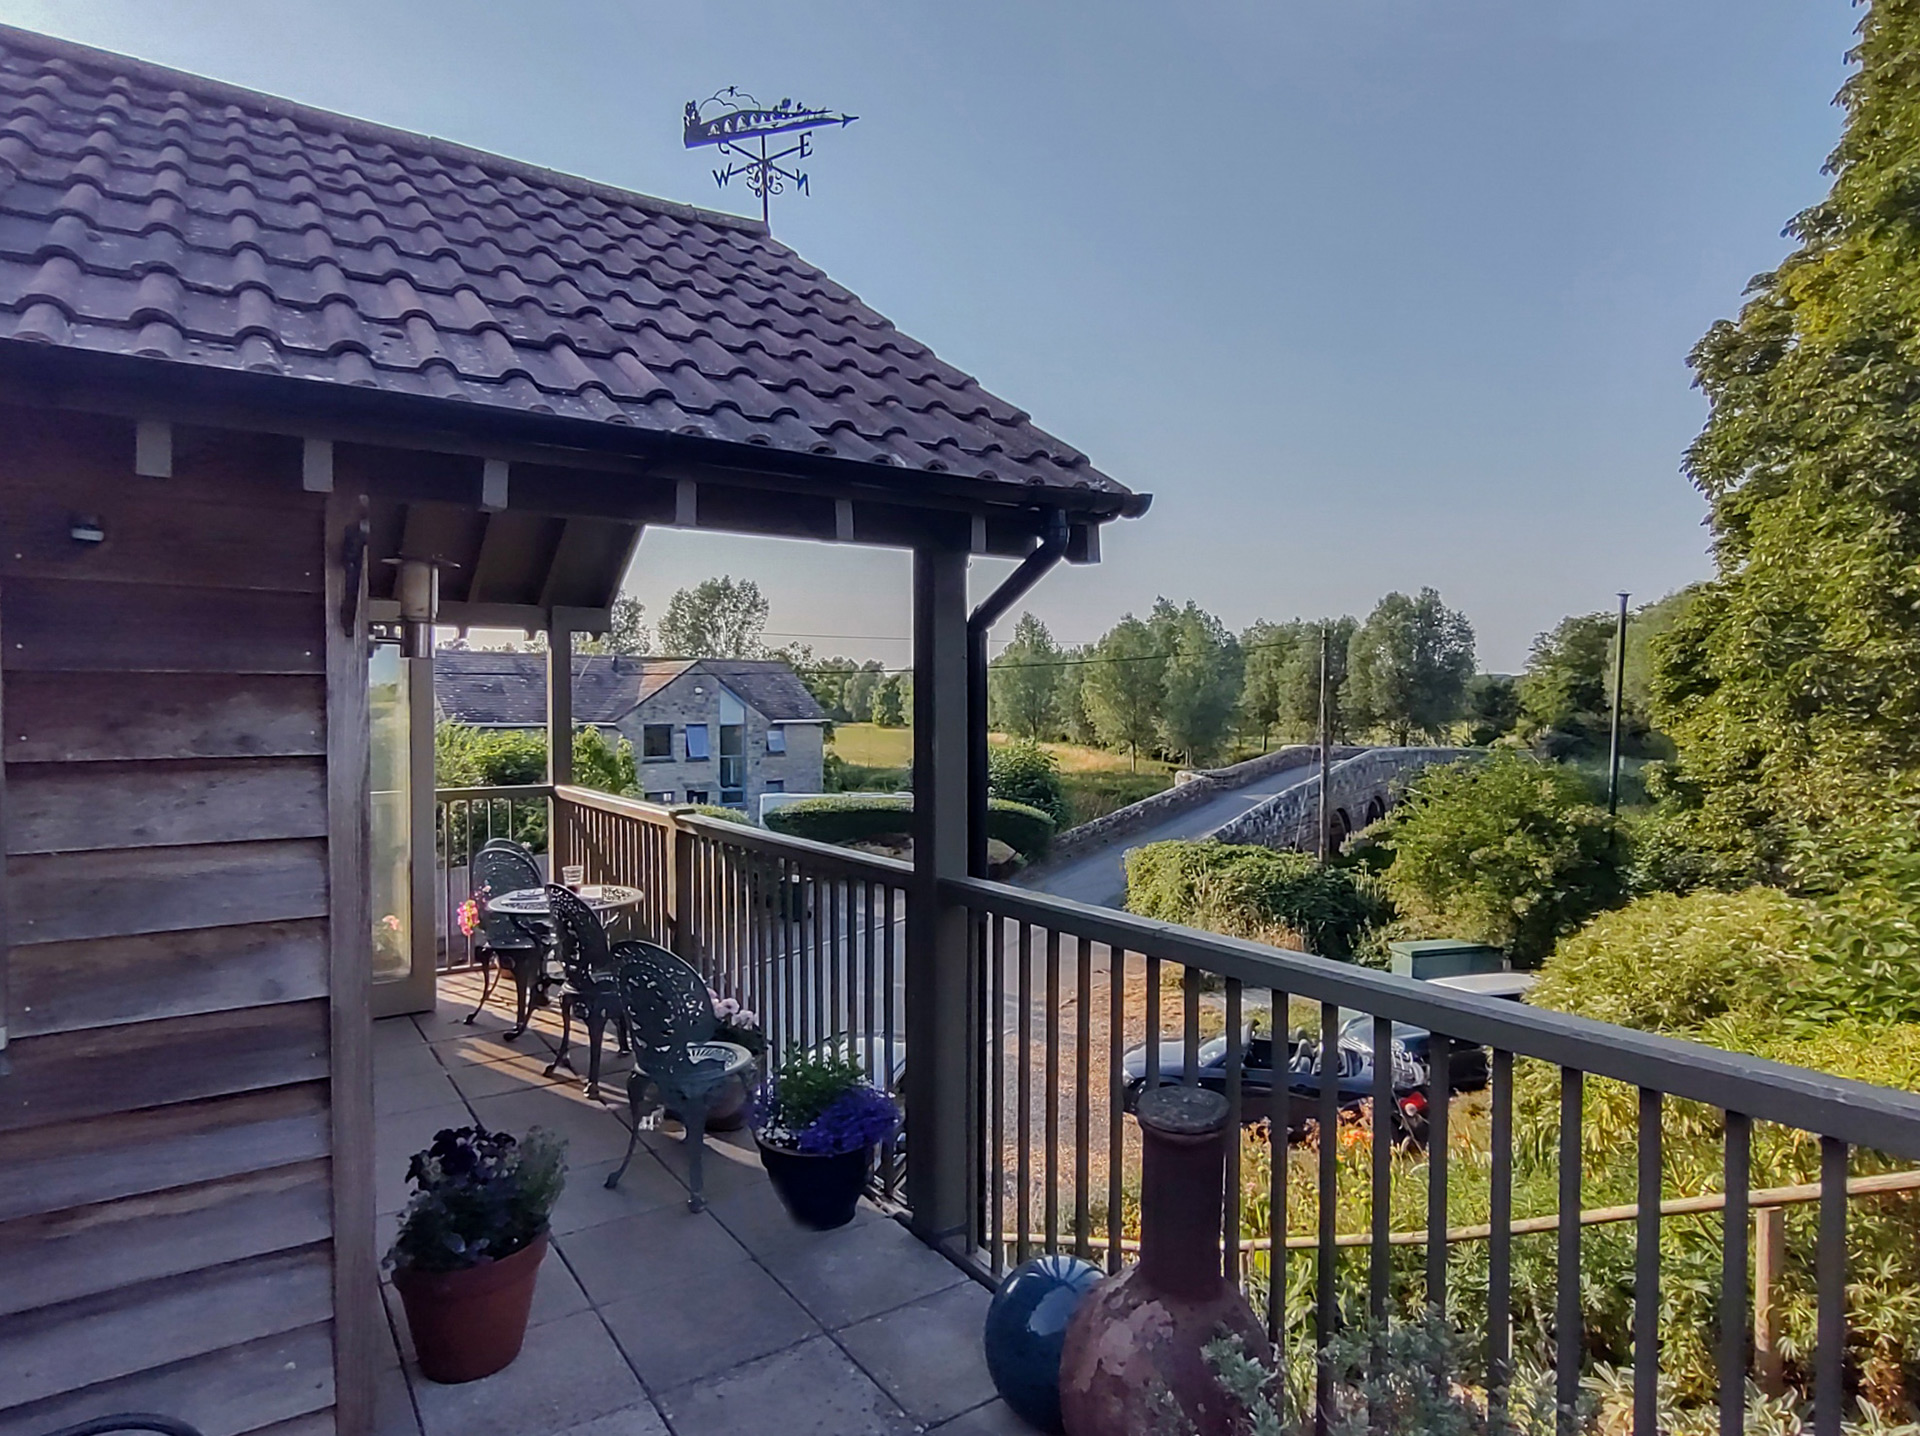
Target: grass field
x,y
1097,780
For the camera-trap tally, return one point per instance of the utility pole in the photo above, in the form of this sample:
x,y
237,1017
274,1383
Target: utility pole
x,y
1619,683
1326,812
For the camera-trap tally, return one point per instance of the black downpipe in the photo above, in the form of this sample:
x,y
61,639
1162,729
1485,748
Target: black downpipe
x,y
1053,548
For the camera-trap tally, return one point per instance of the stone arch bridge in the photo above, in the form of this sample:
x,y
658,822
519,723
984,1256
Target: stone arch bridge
x,y
1361,788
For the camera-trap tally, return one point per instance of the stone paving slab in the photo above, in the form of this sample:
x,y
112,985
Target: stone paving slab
x,y
927,1355
808,1390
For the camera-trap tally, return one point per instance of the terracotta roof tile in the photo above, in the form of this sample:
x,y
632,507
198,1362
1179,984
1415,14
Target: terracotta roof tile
x,y
151,213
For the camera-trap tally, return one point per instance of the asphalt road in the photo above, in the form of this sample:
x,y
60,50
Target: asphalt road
x,y
1099,877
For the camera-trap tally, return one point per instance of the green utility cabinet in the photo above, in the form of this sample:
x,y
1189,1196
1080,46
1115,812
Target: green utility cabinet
x,y
1445,957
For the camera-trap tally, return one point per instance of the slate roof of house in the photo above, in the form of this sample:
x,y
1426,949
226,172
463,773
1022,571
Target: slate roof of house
x,y
510,689
148,212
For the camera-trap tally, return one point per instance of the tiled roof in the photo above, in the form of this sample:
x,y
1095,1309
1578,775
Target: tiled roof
x,y
151,213
510,689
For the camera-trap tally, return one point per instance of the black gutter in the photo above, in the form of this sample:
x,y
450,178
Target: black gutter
x,y
1053,548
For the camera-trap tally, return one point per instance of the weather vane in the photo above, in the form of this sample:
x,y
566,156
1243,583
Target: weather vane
x,y
731,118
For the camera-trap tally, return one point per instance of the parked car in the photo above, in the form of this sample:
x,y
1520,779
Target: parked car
x,y
1470,1067
1298,1078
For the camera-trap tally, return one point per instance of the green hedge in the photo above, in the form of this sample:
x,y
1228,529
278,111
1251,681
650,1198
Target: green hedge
x,y
1253,892
863,817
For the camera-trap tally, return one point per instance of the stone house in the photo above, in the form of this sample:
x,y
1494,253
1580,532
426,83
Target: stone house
x,y
704,730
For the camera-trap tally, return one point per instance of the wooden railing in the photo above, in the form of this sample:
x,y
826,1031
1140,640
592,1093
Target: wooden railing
x,y
811,938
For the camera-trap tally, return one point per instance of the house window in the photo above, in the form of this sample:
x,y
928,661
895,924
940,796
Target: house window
x,y
698,747
697,795
776,739
662,797
774,785
656,742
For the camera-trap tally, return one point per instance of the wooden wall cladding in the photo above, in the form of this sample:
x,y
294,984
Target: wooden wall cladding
x,y
165,1191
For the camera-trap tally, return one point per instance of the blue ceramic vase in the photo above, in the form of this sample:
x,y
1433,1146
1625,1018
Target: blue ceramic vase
x,y
1026,1327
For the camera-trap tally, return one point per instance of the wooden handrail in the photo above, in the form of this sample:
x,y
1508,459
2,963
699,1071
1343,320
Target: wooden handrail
x,y
1878,1185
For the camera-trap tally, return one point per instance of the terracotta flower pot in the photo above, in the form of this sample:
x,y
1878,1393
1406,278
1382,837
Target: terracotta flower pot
x,y
818,1192
469,1324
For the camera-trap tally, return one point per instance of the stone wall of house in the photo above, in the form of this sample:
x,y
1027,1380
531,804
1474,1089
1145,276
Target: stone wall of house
x,y
1361,789
695,698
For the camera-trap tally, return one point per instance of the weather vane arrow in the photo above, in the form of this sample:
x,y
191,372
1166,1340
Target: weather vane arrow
x,y
730,118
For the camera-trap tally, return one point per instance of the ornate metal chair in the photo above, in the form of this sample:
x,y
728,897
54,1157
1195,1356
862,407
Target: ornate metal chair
x,y
516,944
669,1014
587,987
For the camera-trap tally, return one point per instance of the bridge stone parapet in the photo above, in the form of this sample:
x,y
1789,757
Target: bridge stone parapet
x,y
1198,788
1360,789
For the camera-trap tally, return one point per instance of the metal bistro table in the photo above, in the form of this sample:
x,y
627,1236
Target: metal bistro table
x,y
603,898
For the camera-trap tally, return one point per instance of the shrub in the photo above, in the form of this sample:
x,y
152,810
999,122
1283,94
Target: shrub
x,y
1506,850
726,815
863,817
1027,773
1254,892
1673,964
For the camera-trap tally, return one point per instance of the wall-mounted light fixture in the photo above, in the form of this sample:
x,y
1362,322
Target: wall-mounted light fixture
x,y
417,587
87,528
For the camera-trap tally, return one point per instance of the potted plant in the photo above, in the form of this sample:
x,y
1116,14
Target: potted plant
x,y
819,1122
470,1246
727,1108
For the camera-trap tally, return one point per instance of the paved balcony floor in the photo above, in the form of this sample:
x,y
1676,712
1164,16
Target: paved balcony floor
x,y
649,1318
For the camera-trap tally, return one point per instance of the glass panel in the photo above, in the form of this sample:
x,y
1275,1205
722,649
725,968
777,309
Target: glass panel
x,y
390,795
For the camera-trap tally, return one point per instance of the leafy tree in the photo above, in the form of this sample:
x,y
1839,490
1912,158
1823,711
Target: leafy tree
x,y
827,679
1023,681
1408,665
1201,677
893,702
716,618
1024,772
604,760
858,694
1070,696
1791,683
626,634
1504,850
1493,707
1566,691
1300,682
1124,687
1265,648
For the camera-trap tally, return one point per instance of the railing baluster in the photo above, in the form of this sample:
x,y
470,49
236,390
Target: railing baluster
x,y
1050,1157
1568,1318
816,906
867,894
892,1182
1190,1025
1646,1272
1082,1098
836,993
1830,1282
1230,1234
1439,1110
1380,1258
1326,1315
1153,1021
1279,1124
1500,1217
997,1068
1116,1101
1733,1276
1023,1099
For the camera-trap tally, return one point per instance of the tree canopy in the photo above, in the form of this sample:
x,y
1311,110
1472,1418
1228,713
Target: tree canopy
x,y
716,618
626,633
1200,678
1123,687
1408,665
1022,682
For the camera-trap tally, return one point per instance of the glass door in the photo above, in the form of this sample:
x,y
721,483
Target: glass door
x,y
399,694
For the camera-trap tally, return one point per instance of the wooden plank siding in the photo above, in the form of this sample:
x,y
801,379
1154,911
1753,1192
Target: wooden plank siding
x,y
167,1182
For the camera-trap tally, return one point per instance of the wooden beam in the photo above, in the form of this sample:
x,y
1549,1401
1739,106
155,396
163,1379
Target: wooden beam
x,y
153,449
843,520
356,1296
559,704
939,1007
316,466
493,484
686,503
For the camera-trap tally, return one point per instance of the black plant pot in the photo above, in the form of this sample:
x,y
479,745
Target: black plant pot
x,y
818,1192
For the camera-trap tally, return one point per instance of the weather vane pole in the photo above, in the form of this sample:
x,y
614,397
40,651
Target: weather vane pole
x,y
729,118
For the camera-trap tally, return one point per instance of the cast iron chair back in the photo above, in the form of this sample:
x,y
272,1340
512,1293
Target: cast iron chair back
x,y
587,968
497,871
669,1015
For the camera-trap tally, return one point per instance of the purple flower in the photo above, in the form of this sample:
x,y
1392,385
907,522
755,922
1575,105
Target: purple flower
x,y
856,1119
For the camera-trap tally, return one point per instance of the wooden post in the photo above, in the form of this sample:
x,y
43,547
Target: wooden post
x,y
940,1021
559,739
1769,1264
356,1294
680,920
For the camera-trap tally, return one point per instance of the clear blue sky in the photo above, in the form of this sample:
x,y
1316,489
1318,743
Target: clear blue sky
x,y
1370,294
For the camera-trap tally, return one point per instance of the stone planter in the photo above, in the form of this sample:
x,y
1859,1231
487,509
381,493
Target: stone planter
x,y
818,1192
470,1323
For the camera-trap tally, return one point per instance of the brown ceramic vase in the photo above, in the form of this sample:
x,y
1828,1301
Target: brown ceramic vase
x,y
1139,1337
469,1324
